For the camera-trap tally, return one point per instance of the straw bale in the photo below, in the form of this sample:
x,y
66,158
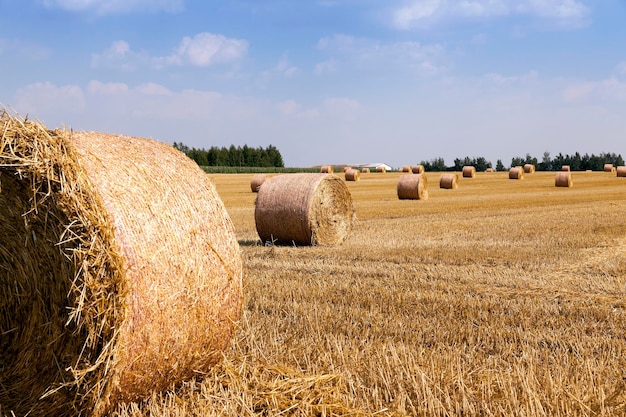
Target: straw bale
x,y
529,169
417,169
449,181
381,169
469,171
327,169
565,168
489,170
516,173
122,270
346,168
257,181
365,171
609,168
413,187
621,171
405,168
352,175
563,179
304,209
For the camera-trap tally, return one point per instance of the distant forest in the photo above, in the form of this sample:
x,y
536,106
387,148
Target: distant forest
x,y
234,156
577,162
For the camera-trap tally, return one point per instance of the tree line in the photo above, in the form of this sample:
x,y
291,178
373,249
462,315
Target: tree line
x,y
577,162
232,156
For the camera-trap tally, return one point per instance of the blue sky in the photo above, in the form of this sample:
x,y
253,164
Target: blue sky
x,y
326,81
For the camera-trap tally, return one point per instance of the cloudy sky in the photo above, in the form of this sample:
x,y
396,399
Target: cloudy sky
x,y
326,81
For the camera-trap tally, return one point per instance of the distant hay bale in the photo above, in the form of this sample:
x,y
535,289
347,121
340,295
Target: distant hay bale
x,y
352,175
365,170
565,168
417,169
529,169
609,168
346,168
381,169
489,170
469,171
413,187
257,181
516,173
303,209
122,274
405,168
327,169
449,181
621,171
563,179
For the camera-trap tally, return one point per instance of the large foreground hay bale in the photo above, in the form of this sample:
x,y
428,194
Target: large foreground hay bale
x,y
417,169
529,169
121,272
516,173
304,209
609,168
469,171
256,182
621,171
413,187
563,179
449,181
352,175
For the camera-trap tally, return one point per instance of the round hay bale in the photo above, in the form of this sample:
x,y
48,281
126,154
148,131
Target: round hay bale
x,y
257,181
122,274
365,171
565,168
449,181
413,187
346,168
381,169
489,170
327,169
563,179
417,169
405,168
469,171
352,175
609,168
529,169
516,173
304,209
621,171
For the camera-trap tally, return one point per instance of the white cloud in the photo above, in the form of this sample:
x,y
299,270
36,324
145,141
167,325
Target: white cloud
x,y
326,67
610,89
499,79
106,7
420,13
342,107
42,97
203,50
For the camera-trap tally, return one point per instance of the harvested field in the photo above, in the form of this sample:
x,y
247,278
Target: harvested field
x,y
473,303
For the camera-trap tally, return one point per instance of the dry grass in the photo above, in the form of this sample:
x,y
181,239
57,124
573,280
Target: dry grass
x,y
500,299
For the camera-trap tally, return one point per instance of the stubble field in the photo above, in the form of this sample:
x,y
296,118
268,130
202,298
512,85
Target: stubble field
x,y
500,298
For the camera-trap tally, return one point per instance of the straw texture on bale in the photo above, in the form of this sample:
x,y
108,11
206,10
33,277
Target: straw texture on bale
x,y
381,169
346,168
516,173
327,169
352,175
122,272
449,181
257,181
417,169
609,168
469,171
621,171
304,209
365,171
413,187
563,179
529,169
405,168
565,168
